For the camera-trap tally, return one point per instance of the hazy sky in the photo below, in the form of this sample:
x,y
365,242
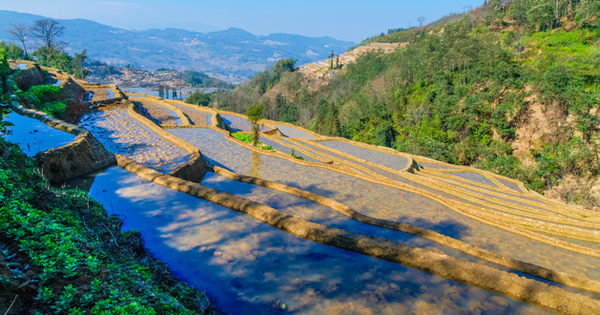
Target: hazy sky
x,y
348,20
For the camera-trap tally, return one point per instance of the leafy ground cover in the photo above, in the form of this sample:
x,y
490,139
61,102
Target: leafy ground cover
x,y
61,254
248,139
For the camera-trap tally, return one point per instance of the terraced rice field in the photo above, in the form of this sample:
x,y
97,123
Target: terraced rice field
x,y
252,264
121,134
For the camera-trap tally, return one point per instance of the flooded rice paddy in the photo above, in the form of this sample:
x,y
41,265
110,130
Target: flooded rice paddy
x,y
240,124
248,267
124,135
33,135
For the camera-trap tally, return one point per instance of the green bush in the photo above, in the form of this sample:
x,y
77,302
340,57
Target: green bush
x,y
43,92
248,139
55,109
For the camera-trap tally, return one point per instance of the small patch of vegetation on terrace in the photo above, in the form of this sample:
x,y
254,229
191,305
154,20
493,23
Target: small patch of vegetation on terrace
x,y
248,139
43,98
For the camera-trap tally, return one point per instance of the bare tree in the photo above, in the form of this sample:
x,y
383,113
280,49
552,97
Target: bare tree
x,y
421,19
48,32
20,33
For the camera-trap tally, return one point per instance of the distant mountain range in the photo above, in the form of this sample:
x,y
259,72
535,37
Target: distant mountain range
x,y
233,55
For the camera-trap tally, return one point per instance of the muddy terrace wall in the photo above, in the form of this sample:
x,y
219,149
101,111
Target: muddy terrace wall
x,y
82,156
33,75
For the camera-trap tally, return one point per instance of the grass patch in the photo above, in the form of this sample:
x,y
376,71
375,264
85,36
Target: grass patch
x,y
563,44
43,98
294,155
248,139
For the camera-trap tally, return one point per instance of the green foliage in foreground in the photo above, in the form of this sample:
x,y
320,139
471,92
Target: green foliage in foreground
x,y
13,51
248,139
44,98
81,262
5,73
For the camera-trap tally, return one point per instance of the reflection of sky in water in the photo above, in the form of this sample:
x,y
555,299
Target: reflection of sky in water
x,y
154,92
286,149
111,93
178,121
33,135
240,124
294,133
317,213
389,160
247,267
121,134
157,111
387,203
510,185
476,177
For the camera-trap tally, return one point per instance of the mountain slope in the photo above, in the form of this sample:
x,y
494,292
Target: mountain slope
x,y
233,54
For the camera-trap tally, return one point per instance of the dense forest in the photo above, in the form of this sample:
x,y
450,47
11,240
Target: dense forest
x,y
510,87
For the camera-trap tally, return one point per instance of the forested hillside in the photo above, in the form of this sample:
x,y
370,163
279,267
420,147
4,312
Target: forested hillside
x,y
510,87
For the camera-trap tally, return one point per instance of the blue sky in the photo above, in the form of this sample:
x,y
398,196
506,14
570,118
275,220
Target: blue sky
x,y
348,20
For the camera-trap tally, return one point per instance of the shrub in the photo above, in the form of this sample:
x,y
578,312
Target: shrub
x,y
55,109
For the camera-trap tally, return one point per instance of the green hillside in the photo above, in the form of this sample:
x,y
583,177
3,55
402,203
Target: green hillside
x,y
510,87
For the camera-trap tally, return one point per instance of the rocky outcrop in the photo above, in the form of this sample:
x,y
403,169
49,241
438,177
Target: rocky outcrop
x,y
84,155
71,92
33,75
